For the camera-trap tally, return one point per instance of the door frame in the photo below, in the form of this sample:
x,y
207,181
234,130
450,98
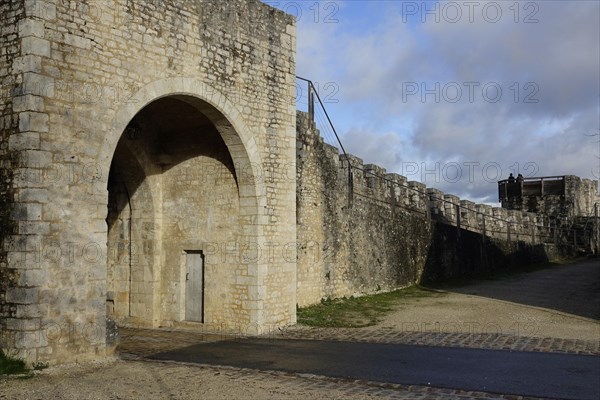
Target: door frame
x,y
183,281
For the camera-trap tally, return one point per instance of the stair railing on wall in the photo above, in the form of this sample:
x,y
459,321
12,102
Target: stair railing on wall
x,y
320,117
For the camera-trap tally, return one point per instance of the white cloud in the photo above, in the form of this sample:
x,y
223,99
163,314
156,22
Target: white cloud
x,y
554,61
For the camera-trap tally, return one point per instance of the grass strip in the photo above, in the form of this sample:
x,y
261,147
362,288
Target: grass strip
x,y
357,312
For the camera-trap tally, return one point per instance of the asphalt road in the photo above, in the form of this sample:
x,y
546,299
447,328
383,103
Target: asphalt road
x,y
553,375
571,288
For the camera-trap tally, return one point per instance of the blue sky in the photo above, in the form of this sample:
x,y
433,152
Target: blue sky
x,y
458,94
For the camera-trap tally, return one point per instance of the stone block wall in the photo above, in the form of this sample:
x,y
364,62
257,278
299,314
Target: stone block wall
x,y
375,231
576,200
369,236
79,73
350,240
16,286
583,193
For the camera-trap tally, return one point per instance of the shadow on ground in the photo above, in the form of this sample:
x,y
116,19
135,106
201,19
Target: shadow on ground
x,y
570,288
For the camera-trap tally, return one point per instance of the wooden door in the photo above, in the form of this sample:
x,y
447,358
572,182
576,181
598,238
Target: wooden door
x,y
194,287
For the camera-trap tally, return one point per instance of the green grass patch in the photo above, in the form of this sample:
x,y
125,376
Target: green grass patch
x,y
357,312
11,365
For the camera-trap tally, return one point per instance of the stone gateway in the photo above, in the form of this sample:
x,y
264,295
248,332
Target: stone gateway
x,y
155,173
142,150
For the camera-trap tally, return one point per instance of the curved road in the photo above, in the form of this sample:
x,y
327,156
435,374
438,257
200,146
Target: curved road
x,y
521,373
573,289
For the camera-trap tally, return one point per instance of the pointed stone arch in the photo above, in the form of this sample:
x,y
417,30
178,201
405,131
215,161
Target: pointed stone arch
x,y
243,149
224,115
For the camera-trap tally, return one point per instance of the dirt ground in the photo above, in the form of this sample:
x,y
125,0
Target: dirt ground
x,y
532,305
145,380
476,314
560,302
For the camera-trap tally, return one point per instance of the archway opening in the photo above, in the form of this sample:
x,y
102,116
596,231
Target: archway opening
x,y
173,211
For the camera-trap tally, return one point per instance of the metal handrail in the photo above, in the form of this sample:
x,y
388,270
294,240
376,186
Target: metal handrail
x,y
520,183
312,89
536,179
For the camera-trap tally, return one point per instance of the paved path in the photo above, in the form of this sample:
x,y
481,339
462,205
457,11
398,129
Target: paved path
x,y
544,322
490,341
526,313
571,288
519,373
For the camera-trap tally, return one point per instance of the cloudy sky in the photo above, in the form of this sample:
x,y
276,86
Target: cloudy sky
x,y
458,94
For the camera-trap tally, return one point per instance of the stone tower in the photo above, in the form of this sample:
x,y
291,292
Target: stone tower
x,y
144,150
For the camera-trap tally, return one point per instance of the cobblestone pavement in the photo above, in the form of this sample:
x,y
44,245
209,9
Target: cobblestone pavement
x,y
468,340
146,342
140,343
137,344
352,388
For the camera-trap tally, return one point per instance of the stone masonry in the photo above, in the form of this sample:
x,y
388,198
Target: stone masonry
x,y
568,204
555,197
133,134
375,231
155,173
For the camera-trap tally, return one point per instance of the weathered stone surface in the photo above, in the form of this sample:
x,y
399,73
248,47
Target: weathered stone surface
x,y
567,205
354,239
35,46
144,138
93,203
381,232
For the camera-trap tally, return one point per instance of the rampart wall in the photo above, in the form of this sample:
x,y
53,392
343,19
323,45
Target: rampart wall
x,y
378,231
